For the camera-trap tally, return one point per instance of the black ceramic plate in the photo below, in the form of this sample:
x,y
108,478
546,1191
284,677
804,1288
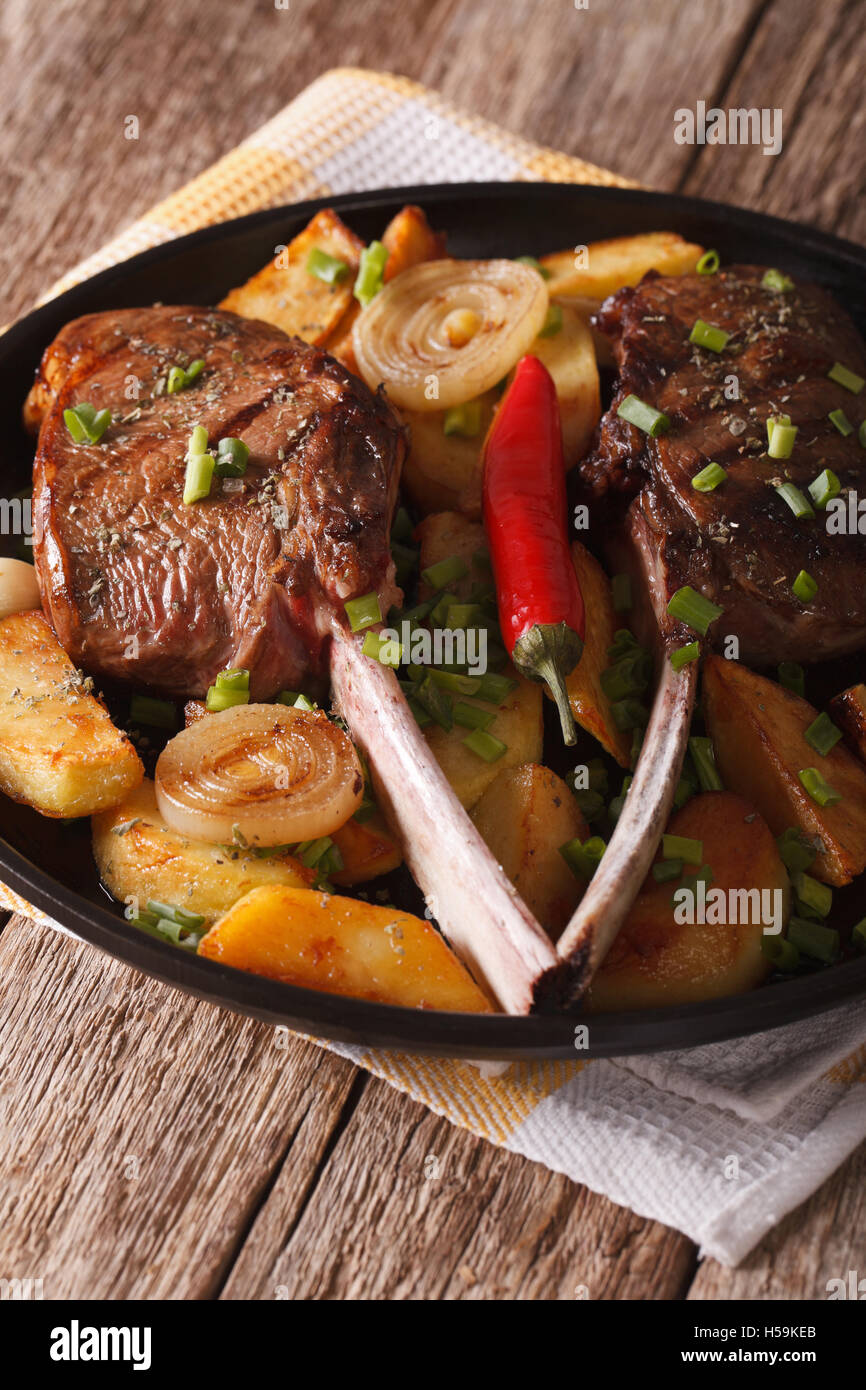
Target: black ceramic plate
x,y
50,864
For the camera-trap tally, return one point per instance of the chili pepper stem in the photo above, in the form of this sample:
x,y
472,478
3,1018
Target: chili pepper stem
x,y
548,652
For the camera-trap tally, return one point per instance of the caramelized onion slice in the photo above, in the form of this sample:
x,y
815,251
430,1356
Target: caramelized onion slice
x,y
406,339
259,775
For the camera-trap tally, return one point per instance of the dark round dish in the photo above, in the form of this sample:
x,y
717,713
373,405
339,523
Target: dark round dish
x,y
49,864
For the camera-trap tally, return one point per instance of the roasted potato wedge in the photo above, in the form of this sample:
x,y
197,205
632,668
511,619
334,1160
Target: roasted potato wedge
x,y
656,961
848,712
443,471
343,946
284,292
139,857
606,266
757,728
518,723
525,815
589,704
569,356
59,751
444,534
368,849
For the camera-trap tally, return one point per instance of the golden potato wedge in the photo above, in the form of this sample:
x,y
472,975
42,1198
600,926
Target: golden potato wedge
x,y
569,356
525,815
343,946
443,534
605,266
409,240
848,712
284,292
656,960
589,704
368,849
518,723
139,857
443,471
757,728
59,751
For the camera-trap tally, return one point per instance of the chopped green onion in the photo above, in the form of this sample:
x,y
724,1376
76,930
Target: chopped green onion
x,y
382,649
439,611
620,587
616,805
189,921
691,608
496,689
773,421
708,263
704,760
437,703
330,269
804,587
629,714
822,734
462,616
552,322
707,335
422,718
684,655
780,951
304,702
235,678
703,875
667,869
841,421
845,377
405,561
679,847
463,419
198,477
709,478
819,790
645,417
792,677
824,488
371,271
813,939
363,612
458,685
402,528
636,746
157,714
471,717
796,852
583,859
445,572
782,436
232,458
776,281
311,852
623,642
858,935
813,894
287,697
590,803
485,745
481,558
535,264
197,441
218,699
176,380
685,790
629,675
85,424
796,500
861,434
194,369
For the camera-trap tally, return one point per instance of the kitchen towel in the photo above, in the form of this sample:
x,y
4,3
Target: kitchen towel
x,y
717,1141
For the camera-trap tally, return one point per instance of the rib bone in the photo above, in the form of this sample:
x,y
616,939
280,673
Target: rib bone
x,y
625,863
468,893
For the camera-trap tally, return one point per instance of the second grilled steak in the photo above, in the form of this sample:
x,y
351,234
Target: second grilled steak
x,y
143,588
740,545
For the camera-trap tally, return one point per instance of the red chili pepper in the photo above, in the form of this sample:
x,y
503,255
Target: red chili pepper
x,y
525,513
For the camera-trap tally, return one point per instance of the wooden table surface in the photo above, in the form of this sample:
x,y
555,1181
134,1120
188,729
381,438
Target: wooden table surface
x,y
156,1147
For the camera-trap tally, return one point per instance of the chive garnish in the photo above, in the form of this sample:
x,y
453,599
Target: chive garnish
x,y
708,263
777,282
796,500
691,608
234,678
445,572
816,896
684,655
841,421
85,423
709,478
704,760
822,734
813,939
819,790
780,951
471,717
464,420
709,336
804,587
645,417
680,847
381,649
824,488
781,434
371,271
485,745
363,612
845,377
792,677
552,322
232,458
328,268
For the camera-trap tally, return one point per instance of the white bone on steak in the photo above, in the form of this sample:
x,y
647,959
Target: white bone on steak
x,y
142,588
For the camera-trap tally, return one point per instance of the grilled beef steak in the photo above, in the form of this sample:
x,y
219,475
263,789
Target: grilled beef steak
x,y
740,545
143,588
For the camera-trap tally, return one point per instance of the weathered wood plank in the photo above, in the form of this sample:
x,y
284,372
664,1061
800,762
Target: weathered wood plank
x,y
821,1240
809,64
139,1126
409,1207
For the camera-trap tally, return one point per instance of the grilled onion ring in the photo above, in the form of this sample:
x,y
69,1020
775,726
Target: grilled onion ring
x,y
402,340
259,775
